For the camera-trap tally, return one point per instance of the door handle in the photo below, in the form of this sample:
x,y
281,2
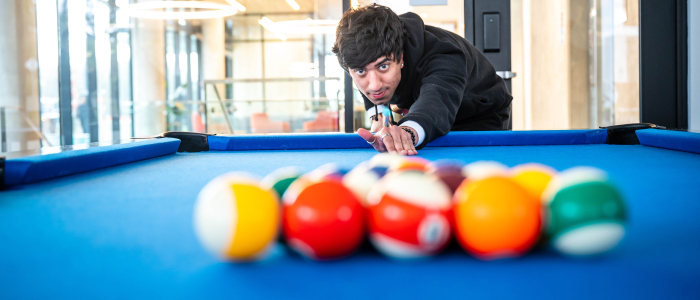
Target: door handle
x,y
506,74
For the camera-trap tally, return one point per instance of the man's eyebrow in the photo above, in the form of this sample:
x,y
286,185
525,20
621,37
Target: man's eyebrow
x,y
382,62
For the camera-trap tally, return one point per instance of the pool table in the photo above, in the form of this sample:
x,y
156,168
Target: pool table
x,y
116,222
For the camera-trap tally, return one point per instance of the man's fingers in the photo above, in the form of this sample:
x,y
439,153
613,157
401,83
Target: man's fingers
x,y
371,139
366,135
388,140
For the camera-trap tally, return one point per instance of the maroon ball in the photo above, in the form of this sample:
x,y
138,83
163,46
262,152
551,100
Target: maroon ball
x,y
449,173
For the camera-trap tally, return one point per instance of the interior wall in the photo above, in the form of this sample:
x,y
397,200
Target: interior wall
x,y
693,65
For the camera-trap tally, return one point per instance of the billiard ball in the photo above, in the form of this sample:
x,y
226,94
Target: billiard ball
x,y
496,218
586,214
235,219
362,178
322,219
409,163
384,160
408,215
533,177
327,171
280,179
449,172
482,169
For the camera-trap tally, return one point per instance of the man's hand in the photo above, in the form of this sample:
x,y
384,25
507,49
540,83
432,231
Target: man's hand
x,y
391,139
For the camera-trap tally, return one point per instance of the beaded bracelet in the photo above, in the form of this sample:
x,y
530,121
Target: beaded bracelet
x,y
413,136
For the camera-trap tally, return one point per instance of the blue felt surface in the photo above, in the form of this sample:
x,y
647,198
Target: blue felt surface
x,y
41,167
126,231
669,139
452,139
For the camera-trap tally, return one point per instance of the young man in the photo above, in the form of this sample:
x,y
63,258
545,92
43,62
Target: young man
x,y
438,80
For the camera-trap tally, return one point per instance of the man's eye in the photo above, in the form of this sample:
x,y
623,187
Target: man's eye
x,y
383,67
360,72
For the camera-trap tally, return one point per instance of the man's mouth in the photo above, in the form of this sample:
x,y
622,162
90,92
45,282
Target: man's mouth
x,y
378,95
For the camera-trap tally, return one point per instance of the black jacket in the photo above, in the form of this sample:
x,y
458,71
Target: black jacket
x,y
446,83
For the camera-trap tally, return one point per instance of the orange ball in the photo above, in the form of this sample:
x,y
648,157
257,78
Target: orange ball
x,y
496,218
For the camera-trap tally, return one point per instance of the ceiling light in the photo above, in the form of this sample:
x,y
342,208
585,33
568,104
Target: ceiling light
x,y
237,5
153,10
293,4
271,26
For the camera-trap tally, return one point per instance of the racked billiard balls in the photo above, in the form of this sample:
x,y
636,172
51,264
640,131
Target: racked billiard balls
x,y
362,178
385,160
586,214
327,171
409,163
496,218
235,219
322,219
485,168
448,171
533,177
408,215
280,179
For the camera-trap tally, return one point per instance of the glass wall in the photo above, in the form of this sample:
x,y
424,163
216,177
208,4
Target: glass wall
x,y
281,76
577,63
182,75
99,66
108,75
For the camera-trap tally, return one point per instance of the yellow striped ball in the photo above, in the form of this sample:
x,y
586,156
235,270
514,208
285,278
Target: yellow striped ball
x,y
235,219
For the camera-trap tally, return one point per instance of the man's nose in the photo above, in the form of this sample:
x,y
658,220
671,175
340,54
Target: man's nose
x,y
375,82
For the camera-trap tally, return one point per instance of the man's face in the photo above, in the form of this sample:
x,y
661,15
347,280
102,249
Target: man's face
x,y
378,80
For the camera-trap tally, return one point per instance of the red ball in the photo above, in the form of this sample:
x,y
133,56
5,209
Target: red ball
x,y
409,215
322,220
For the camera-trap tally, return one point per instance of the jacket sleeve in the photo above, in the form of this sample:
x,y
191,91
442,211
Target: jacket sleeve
x,y
441,91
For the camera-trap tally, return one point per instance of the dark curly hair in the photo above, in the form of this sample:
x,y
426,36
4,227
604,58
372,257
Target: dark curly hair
x,y
366,34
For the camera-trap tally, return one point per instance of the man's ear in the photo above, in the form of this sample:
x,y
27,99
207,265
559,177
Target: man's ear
x,y
401,60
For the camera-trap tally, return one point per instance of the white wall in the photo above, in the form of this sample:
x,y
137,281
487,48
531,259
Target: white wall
x,y
694,65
